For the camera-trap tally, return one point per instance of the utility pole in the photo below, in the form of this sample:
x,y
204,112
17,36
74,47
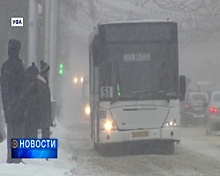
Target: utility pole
x,y
50,29
32,32
52,43
46,29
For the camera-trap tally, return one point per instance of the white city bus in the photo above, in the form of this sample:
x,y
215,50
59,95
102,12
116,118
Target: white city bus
x,y
135,87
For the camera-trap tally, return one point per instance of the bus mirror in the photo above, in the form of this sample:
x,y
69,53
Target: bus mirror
x,y
182,87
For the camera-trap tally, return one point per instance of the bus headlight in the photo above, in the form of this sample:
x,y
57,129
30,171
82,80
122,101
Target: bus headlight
x,y
106,121
171,123
108,125
87,110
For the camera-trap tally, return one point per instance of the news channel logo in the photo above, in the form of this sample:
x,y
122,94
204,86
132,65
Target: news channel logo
x,y
17,22
34,148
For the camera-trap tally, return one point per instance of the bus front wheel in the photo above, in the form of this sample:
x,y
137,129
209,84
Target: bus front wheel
x,y
99,148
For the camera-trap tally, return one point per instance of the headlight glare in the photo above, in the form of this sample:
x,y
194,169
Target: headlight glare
x,y
108,125
75,80
87,110
171,123
81,79
106,121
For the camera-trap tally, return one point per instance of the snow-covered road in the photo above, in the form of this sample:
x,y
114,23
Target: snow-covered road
x,y
196,155
196,140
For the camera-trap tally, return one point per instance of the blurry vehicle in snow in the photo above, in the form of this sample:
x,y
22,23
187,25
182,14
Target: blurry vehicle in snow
x,y
81,85
213,113
81,91
194,109
78,80
208,87
135,87
85,98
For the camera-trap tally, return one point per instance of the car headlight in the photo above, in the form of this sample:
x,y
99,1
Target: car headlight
x,y
81,79
87,110
75,80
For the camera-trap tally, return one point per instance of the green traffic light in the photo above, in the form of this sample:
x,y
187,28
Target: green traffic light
x,y
61,66
61,69
60,72
118,90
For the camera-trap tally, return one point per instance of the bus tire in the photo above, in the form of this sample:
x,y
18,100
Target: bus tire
x,y
96,146
99,148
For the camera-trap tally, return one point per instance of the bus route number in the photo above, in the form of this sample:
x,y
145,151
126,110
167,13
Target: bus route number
x,y
106,92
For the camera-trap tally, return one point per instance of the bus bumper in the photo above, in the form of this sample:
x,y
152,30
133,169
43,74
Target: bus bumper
x,y
114,136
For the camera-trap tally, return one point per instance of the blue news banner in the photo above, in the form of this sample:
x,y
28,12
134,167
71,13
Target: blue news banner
x,y
34,148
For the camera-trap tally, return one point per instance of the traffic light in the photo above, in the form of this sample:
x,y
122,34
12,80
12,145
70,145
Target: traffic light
x,y
61,67
118,90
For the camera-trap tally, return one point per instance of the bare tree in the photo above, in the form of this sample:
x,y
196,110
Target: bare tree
x,y
198,19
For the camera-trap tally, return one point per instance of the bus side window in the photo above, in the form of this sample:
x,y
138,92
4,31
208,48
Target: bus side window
x,y
96,54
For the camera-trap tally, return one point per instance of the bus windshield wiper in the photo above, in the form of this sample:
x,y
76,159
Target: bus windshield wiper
x,y
144,92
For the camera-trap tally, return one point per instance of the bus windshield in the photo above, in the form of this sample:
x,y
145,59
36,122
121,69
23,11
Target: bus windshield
x,y
138,70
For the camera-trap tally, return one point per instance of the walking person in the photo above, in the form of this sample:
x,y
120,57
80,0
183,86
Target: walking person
x,y
28,102
2,121
45,109
12,73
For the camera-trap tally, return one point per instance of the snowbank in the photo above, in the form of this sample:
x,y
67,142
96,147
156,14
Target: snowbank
x,y
41,167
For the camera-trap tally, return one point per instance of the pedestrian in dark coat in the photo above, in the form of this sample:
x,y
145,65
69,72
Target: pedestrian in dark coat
x,y
28,102
2,121
12,73
45,109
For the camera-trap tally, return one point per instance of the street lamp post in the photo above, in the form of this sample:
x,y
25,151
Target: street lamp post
x,y
32,32
52,42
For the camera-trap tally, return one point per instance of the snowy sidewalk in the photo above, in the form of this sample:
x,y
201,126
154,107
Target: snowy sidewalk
x,y
41,167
